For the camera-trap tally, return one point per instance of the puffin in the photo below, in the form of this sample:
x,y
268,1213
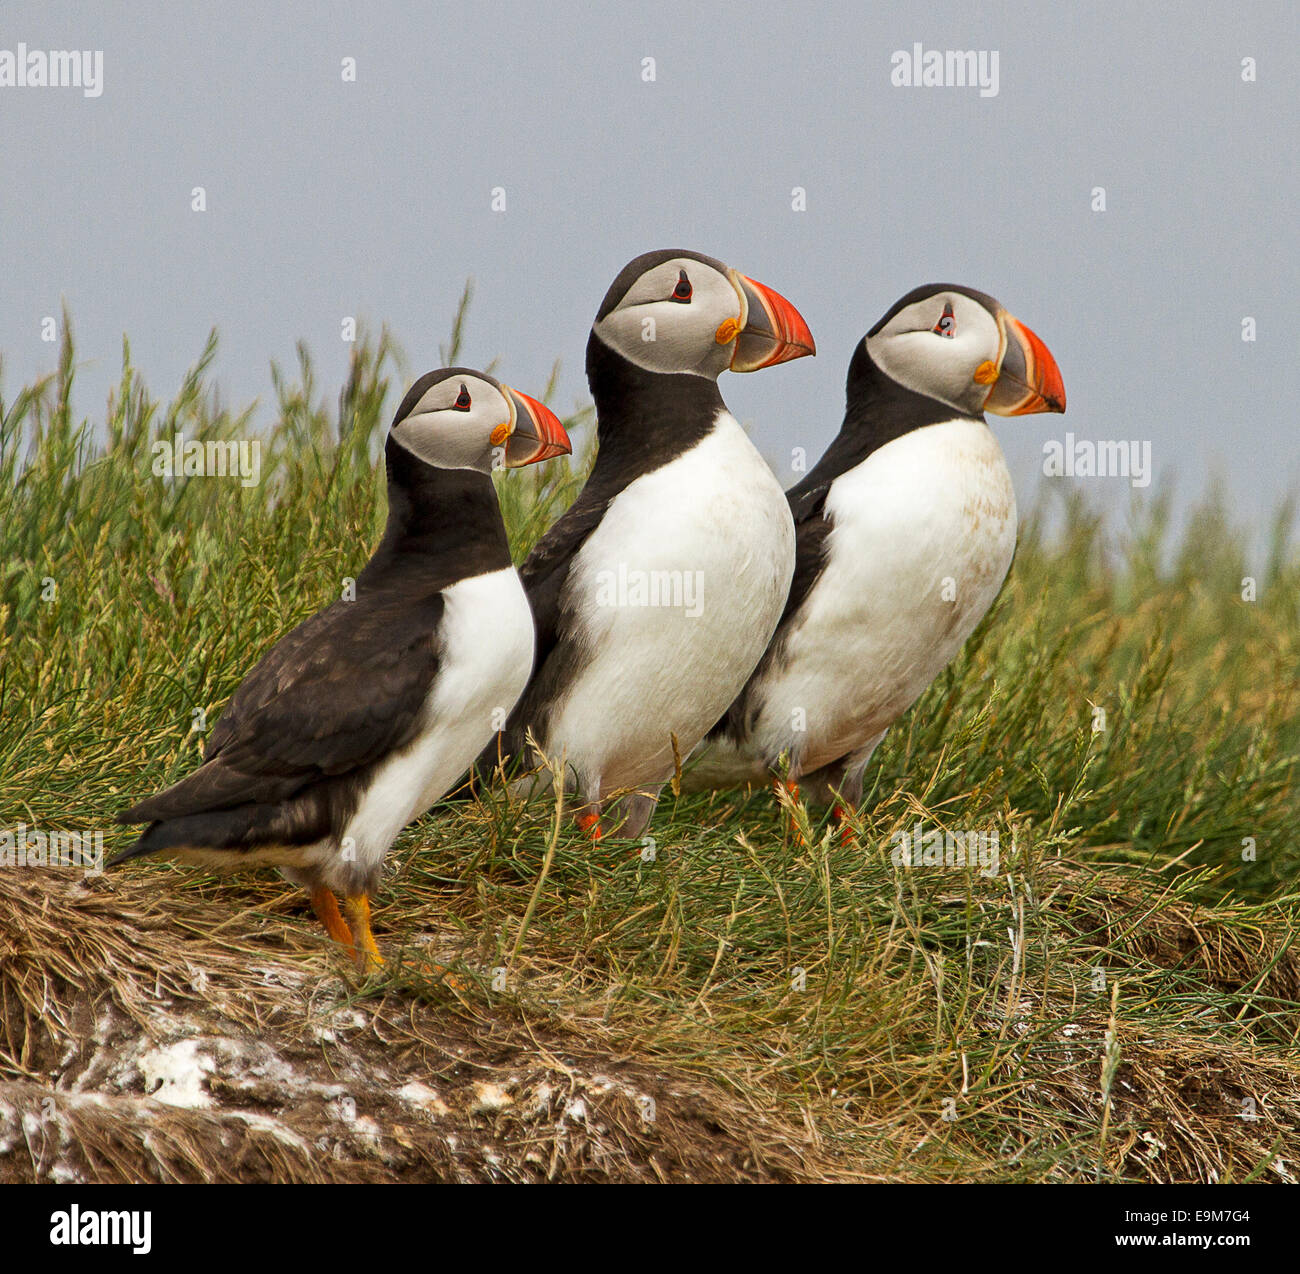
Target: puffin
x,y
361,717
905,528
657,591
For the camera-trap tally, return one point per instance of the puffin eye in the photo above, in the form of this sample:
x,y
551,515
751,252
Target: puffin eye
x,y
947,324
682,292
462,402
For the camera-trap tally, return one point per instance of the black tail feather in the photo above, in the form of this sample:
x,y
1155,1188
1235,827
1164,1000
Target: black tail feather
x,y
243,828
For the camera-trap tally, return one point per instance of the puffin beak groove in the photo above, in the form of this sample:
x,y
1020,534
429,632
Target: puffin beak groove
x,y
772,331
1028,379
537,434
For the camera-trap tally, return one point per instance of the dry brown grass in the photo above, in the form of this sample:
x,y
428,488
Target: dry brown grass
x,y
304,1082
297,1074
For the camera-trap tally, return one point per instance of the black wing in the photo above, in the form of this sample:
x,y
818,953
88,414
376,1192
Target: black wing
x,y
337,693
811,529
544,574
545,571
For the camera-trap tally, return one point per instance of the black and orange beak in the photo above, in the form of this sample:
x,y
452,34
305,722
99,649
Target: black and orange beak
x,y
770,330
536,432
1028,379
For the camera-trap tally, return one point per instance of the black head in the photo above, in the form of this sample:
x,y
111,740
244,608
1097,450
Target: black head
x,y
676,311
459,418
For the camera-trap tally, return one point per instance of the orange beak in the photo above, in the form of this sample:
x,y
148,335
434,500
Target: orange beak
x,y
771,330
1028,378
537,434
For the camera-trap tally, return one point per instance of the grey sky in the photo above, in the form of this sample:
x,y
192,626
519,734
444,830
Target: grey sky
x,y
372,198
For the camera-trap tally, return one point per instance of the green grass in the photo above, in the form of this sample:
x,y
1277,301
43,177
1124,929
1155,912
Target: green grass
x,y
1121,848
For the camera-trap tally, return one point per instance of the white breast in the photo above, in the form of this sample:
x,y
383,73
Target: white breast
x,y
924,532
677,593
486,655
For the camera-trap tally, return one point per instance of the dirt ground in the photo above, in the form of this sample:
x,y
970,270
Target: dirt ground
x,y
204,1032
135,1048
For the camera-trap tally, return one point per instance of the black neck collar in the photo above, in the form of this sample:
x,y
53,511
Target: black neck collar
x,y
444,523
878,410
644,419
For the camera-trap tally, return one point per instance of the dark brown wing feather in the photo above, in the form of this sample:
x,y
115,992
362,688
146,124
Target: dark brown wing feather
x,y
811,529
338,692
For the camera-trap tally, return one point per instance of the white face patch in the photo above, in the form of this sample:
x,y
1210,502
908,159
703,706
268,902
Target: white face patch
x,y
453,424
669,318
934,347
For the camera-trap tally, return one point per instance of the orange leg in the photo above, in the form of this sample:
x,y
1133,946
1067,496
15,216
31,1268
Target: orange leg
x,y
366,952
791,788
364,949
326,907
590,823
841,818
